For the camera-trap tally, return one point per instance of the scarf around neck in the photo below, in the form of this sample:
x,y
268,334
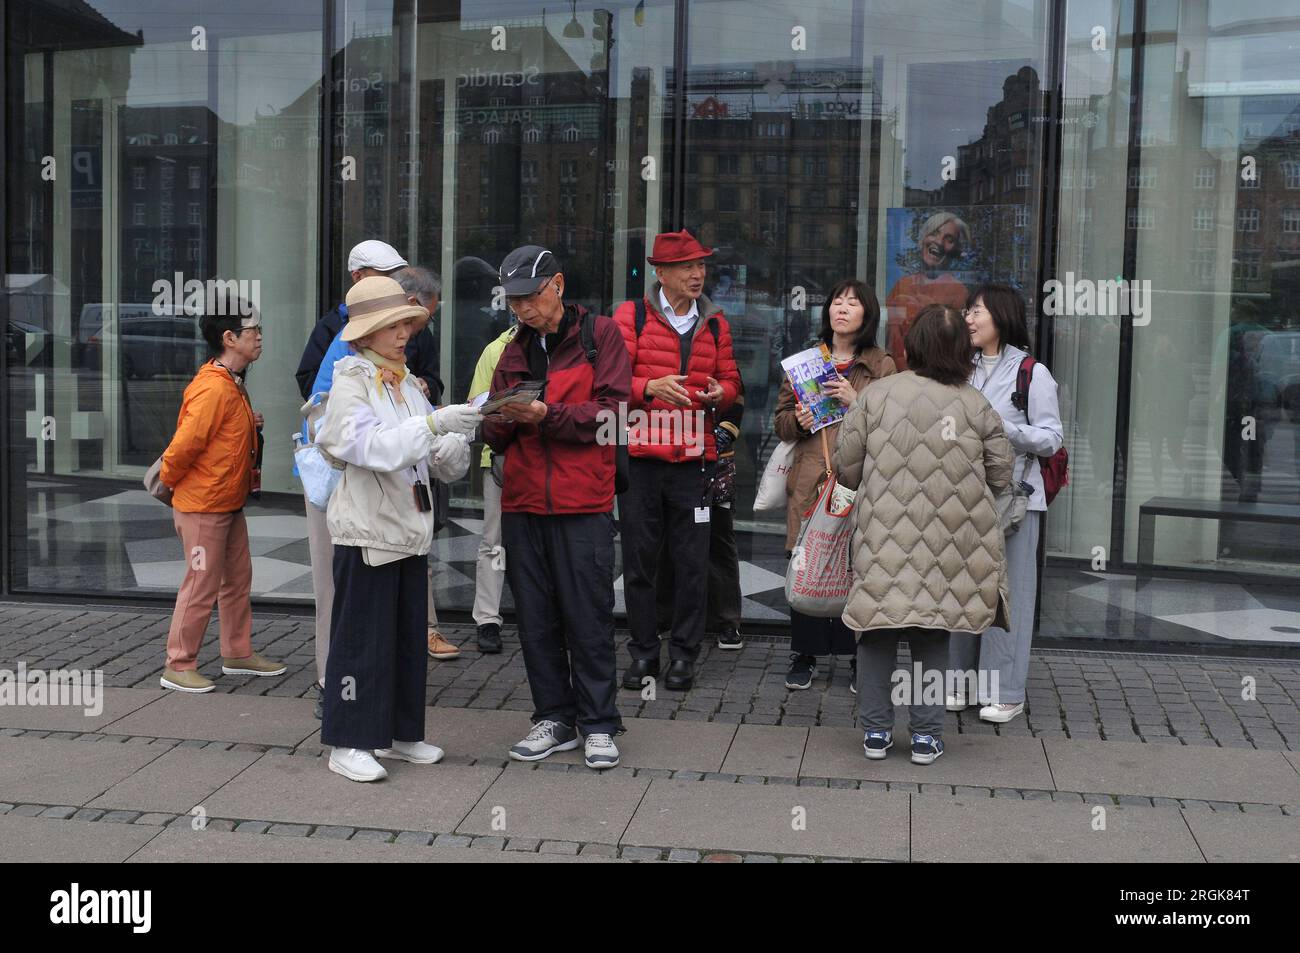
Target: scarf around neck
x,y
389,372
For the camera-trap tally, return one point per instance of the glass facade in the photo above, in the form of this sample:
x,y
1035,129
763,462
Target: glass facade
x,y
1133,166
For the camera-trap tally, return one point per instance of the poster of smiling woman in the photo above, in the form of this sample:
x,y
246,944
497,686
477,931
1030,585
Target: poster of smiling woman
x,y
928,252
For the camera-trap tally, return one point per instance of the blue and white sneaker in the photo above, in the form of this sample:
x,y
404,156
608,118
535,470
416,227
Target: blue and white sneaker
x,y
546,738
926,748
876,743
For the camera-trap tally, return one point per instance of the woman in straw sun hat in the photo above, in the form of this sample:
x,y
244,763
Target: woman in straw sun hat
x,y
380,424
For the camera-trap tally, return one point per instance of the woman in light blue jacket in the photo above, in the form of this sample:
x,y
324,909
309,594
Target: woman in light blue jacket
x,y
995,315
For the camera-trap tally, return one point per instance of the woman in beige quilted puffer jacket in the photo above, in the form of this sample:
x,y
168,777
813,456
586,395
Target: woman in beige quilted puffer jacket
x,y
927,454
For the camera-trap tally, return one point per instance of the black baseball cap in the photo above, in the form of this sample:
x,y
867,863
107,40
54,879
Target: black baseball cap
x,y
526,269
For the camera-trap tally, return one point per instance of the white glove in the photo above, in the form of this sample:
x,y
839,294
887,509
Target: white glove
x,y
455,418
450,458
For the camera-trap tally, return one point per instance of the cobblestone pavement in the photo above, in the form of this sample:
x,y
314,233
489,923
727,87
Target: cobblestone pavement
x,y
1157,699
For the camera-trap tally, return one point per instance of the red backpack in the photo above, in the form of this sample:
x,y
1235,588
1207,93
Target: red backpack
x,y
1056,468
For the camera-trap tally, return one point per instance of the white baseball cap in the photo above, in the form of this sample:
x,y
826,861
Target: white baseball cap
x,y
375,254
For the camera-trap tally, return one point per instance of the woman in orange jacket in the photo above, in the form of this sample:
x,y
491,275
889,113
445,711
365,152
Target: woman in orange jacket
x,y
209,466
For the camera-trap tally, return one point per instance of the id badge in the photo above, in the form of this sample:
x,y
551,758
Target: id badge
x,y
701,514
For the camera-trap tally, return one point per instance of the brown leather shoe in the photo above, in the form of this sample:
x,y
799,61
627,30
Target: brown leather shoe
x,y
440,648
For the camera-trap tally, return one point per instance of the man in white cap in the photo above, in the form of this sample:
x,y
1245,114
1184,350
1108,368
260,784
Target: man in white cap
x,y
371,257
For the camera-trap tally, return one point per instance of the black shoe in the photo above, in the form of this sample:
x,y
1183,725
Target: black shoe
x,y
730,638
639,669
680,675
801,671
489,638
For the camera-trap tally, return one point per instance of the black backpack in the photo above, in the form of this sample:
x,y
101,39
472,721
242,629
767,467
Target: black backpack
x,y
622,465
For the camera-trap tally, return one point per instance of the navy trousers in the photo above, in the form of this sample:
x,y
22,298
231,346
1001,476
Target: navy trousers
x,y
724,577
374,679
561,573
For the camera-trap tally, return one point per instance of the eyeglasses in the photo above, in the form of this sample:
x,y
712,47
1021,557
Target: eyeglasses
x,y
255,328
512,301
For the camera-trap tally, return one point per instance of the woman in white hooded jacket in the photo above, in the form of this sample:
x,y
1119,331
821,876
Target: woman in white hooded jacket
x,y
379,423
995,317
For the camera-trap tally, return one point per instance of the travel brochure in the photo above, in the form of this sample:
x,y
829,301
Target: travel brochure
x,y
808,372
525,392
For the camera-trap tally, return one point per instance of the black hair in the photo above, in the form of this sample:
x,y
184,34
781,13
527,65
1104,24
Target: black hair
x,y
938,345
1007,307
214,327
870,314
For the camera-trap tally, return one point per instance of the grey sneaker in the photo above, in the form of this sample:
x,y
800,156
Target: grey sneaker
x,y
601,752
546,738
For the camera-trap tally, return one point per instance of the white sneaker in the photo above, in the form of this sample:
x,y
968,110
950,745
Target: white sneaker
x,y
956,703
1000,714
356,765
600,752
416,752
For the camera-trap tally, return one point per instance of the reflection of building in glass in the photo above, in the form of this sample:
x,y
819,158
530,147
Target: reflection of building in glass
x,y
999,170
774,164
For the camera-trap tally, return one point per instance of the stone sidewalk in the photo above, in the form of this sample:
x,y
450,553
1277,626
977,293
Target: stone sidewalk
x,y
1172,700
1122,758
159,776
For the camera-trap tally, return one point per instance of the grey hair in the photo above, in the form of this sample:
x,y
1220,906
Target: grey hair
x,y
938,220
421,282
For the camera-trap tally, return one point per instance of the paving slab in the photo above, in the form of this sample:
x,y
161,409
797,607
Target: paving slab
x,y
39,840
979,760
1200,772
659,743
40,771
117,703
172,847
993,830
475,733
178,781
767,819
312,744
548,805
1246,838
248,719
769,750
414,797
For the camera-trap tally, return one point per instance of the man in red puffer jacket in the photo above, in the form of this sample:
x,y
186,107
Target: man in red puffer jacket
x,y
683,376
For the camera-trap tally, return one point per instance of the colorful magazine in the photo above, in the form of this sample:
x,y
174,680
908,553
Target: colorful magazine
x,y
808,371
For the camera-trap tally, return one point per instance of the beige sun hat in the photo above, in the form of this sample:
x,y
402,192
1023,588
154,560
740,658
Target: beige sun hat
x,y
375,303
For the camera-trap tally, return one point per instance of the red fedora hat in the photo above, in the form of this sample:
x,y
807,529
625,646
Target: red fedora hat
x,y
672,248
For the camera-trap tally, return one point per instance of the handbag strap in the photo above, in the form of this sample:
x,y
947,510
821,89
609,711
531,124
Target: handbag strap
x,y
826,453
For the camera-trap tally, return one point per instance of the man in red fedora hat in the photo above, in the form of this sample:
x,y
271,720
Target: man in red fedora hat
x,y
683,377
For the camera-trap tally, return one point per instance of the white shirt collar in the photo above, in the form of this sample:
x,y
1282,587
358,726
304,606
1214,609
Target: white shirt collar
x,y
681,322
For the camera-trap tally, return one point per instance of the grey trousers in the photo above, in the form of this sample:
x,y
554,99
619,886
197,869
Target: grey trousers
x,y
490,570
877,662
998,651
321,551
